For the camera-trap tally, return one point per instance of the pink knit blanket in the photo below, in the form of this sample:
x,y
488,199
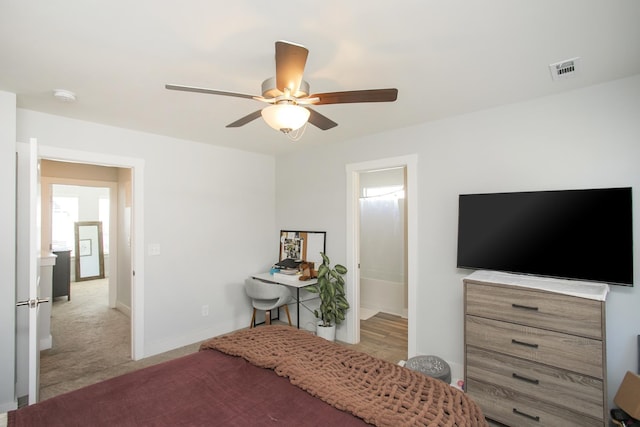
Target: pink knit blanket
x,y
379,392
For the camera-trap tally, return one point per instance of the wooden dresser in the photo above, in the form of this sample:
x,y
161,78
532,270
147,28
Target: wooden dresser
x,y
62,274
535,353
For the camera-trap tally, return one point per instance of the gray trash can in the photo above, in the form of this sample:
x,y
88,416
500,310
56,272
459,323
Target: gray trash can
x,y
431,366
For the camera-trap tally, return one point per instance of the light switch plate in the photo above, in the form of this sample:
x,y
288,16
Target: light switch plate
x,y
154,249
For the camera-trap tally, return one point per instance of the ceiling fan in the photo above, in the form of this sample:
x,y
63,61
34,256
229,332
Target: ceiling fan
x,y
289,95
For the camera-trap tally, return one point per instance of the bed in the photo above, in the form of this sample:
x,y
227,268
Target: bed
x,y
273,375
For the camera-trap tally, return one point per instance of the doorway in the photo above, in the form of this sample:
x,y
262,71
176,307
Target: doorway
x,y
68,203
382,243
131,255
82,210
409,165
27,206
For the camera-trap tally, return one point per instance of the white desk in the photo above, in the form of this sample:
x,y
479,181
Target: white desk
x,y
292,282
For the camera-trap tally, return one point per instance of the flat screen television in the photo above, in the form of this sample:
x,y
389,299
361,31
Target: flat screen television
x,y
572,234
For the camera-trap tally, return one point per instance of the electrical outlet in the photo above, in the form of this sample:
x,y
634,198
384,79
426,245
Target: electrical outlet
x,y
205,310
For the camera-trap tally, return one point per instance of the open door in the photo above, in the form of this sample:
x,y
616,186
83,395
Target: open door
x,y
33,275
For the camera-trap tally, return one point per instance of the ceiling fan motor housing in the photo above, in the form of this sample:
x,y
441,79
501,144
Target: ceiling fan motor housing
x,y
269,89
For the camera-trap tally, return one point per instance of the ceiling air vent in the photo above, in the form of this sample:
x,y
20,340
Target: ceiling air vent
x,y
565,69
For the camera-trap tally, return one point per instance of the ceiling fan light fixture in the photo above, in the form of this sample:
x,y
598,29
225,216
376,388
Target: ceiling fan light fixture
x,y
285,117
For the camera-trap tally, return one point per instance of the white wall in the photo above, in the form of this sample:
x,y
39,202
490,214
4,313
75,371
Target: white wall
x,y
7,250
581,139
210,209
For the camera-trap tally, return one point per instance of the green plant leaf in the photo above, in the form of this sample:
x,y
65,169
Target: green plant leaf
x,y
341,269
322,271
325,259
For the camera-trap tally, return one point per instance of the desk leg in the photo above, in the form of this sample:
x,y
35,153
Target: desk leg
x,y
298,303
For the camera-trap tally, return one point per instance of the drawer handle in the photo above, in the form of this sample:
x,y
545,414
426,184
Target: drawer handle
x,y
521,378
524,307
526,344
531,417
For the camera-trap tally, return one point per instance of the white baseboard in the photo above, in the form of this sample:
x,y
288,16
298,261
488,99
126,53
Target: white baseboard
x,y
8,406
124,309
192,337
46,343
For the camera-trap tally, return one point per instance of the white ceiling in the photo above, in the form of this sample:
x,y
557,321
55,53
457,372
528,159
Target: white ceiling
x,y
445,57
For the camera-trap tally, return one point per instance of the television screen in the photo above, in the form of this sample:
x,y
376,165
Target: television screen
x,y
572,234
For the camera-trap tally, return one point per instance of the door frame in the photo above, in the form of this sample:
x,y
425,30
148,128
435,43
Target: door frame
x,y
353,170
137,227
33,171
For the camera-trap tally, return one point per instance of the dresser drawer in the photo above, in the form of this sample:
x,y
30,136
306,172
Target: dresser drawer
x,y
540,309
578,354
578,392
514,409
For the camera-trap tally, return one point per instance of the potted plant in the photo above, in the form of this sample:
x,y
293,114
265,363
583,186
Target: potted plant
x,y
333,303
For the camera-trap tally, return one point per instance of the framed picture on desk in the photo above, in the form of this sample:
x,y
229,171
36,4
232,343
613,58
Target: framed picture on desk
x,y
302,245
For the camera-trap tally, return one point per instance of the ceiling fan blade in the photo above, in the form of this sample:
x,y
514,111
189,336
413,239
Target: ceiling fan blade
x,y
244,120
370,95
290,61
320,121
205,90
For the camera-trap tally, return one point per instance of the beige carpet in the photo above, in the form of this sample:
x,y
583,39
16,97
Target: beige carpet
x,y
91,342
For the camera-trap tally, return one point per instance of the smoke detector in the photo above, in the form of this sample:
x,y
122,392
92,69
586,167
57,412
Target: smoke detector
x,y
64,95
565,69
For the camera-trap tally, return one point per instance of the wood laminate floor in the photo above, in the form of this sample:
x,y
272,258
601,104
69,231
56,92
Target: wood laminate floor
x,y
384,336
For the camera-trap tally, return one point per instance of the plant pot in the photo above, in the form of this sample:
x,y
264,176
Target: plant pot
x,y
326,332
